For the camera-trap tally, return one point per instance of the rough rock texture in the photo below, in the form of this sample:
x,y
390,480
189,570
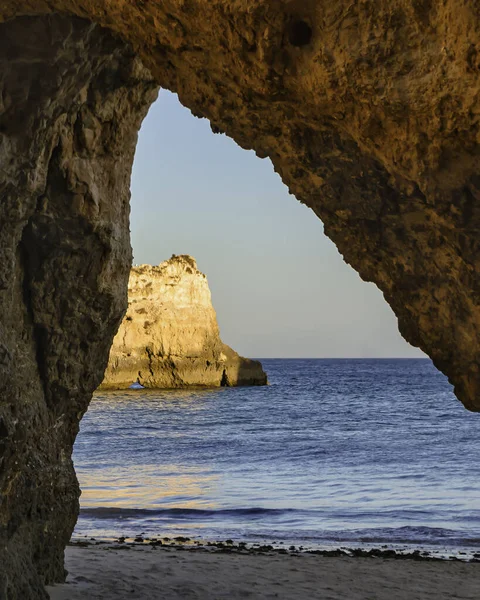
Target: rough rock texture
x,y
170,338
370,113
71,101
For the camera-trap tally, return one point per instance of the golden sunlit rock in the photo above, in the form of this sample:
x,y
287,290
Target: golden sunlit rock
x,y
170,338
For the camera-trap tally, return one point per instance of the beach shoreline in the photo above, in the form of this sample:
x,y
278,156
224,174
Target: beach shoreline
x,y
101,570
359,549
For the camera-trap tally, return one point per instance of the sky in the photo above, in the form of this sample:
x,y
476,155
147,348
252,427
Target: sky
x,y
279,286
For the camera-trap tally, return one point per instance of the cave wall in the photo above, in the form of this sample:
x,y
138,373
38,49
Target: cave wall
x,y
369,112
71,101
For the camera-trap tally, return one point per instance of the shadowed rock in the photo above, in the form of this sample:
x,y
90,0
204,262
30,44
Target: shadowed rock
x,y
71,101
170,338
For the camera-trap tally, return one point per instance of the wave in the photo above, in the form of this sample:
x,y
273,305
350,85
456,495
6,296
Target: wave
x,y
270,523
115,512
107,512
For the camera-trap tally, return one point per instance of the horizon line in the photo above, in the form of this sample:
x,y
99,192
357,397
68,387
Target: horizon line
x,y
341,358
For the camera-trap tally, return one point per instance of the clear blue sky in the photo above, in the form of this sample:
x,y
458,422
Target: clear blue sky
x,y
279,286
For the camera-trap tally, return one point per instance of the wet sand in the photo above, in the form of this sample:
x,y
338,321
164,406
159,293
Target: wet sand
x,y
113,571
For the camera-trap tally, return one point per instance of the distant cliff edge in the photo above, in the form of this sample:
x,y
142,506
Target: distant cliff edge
x,y
170,338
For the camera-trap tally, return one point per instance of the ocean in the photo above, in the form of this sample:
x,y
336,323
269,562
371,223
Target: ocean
x,y
332,454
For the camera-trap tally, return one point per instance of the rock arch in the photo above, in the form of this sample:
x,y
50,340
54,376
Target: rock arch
x,y
370,113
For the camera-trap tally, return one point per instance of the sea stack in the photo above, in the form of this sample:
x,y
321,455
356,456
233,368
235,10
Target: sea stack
x,y
169,337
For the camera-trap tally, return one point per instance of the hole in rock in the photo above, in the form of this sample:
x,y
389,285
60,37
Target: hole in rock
x,y
279,286
299,33
280,289
229,460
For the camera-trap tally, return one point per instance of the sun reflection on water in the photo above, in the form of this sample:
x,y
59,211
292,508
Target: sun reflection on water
x,y
147,486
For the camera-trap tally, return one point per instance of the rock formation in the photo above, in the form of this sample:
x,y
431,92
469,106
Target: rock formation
x,y
170,338
369,112
71,101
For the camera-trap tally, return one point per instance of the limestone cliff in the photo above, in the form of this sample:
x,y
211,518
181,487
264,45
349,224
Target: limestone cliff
x,y
170,338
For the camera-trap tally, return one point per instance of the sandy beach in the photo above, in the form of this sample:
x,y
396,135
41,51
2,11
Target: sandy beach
x,y
144,572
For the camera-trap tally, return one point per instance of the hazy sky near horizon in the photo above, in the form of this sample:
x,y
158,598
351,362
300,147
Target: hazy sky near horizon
x,y
279,286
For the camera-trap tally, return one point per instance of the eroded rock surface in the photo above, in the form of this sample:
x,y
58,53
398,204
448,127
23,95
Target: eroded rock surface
x,y
370,113
170,338
71,101
368,110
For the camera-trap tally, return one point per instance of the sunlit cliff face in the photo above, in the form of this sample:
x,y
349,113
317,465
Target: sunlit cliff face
x,y
169,337
369,112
